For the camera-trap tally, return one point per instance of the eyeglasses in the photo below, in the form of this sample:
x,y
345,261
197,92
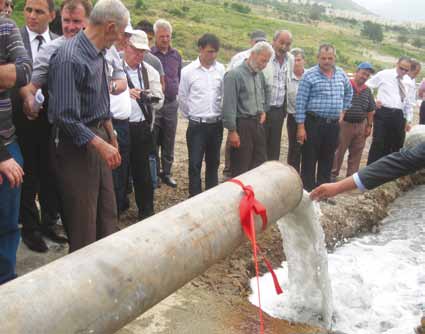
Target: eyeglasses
x,y
403,69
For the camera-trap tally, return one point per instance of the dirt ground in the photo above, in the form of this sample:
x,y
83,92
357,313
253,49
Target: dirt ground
x,y
216,302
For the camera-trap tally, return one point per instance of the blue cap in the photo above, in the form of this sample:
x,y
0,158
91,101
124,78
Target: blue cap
x,y
366,66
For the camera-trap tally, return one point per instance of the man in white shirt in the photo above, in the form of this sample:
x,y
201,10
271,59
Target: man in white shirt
x,y
389,122
277,74
200,100
146,94
409,81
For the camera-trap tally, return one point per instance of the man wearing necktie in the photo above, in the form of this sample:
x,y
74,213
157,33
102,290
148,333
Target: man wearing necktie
x,y
33,138
389,121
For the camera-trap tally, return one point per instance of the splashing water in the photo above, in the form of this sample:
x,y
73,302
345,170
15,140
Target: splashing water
x,y
378,281
307,296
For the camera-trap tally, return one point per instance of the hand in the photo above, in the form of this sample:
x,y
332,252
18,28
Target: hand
x,y
114,142
108,152
408,127
28,107
262,117
324,191
135,93
13,172
367,131
378,104
234,139
301,135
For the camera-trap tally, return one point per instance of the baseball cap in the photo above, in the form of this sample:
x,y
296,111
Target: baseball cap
x,y
139,40
366,66
258,36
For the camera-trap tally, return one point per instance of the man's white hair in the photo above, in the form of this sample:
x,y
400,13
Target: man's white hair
x,y
109,10
162,24
262,47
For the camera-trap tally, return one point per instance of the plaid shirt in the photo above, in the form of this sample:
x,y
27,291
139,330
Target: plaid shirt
x,y
323,96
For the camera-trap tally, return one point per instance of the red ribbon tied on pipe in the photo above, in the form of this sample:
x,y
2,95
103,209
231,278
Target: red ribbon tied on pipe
x,y
247,208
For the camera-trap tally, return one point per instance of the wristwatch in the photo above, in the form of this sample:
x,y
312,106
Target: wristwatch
x,y
113,87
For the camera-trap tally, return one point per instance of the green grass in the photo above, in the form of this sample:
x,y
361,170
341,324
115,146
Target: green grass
x,y
191,18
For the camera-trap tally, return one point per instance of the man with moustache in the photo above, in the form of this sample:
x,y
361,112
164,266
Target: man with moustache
x,y
244,110
33,138
86,148
323,94
356,124
277,74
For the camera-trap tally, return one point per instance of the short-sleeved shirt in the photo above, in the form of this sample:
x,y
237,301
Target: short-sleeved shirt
x,y
362,103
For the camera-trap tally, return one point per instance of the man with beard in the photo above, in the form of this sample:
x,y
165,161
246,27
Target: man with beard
x,y
356,124
244,110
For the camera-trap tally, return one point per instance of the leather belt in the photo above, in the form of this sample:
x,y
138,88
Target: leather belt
x,y
207,120
322,119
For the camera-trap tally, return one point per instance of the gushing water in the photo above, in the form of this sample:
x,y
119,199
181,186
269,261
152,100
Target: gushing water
x,y
304,277
378,281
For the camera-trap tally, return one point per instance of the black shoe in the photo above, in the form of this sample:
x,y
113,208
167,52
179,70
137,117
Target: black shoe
x,y
169,181
142,215
51,233
35,242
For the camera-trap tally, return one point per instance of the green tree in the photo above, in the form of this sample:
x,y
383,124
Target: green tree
x,y
418,42
316,12
402,39
139,4
373,31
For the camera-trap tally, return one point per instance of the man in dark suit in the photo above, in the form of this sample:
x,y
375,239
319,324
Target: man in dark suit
x,y
33,138
386,169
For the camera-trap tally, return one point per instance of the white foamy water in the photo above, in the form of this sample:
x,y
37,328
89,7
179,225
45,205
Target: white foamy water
x,y
308,297
378,281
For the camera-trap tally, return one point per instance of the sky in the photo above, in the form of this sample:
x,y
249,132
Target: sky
x,y
411,10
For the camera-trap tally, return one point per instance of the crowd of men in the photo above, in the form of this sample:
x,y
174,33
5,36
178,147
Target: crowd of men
x,y
89,114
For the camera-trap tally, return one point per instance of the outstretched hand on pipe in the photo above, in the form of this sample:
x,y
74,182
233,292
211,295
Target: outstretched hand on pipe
x,y
324,191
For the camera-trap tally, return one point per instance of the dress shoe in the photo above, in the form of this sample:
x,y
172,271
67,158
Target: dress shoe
x,y
168,180
35,242
144,215
51,233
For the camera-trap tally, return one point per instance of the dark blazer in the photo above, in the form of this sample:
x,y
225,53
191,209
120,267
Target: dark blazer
x,y
19,118
392,166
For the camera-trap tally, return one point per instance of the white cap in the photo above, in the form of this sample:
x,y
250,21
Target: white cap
x,y
139,40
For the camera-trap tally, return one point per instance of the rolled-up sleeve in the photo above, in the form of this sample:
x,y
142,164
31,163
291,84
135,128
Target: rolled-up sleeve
x,y
303,95
230,101
64,97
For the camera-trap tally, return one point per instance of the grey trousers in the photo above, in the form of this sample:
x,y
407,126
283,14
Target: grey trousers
x,y
165,135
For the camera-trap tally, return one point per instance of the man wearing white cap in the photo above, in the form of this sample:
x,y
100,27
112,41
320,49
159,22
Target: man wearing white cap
x,y
146,96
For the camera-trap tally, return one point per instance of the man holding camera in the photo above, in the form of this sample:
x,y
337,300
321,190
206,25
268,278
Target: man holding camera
x,y
146,94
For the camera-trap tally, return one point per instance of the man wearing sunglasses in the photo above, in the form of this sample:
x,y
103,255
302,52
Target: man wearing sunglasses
x,y
389,121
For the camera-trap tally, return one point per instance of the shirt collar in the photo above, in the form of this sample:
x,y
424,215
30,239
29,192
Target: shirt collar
x,y
356,88
198,64
32,35
91,48
155,50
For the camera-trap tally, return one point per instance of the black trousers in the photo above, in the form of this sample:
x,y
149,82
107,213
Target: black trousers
x,y
34,140
121,173
273,129
388,133
422,113
252,151
318,151
140,148
294,148
203,140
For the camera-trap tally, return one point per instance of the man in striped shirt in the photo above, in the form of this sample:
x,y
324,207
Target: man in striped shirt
x,y
86,147
15,71
356,124
323,94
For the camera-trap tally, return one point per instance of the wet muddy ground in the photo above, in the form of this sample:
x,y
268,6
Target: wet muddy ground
x,y
216,302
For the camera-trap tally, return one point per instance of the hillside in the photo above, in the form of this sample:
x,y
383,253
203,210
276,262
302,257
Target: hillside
x,y
192,18
349,5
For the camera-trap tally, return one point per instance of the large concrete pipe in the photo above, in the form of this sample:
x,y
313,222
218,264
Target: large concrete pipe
x,y
105,285
415,136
